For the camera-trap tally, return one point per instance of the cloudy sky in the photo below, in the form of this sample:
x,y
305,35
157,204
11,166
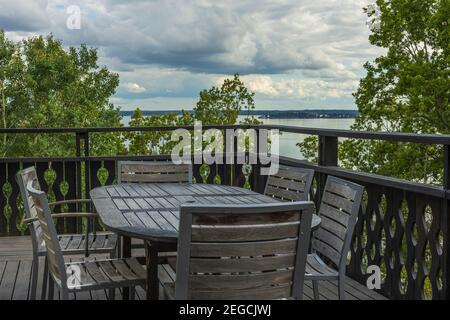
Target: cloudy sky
x,y
294,54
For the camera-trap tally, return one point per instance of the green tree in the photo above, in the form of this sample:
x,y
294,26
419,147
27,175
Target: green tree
x,y
44,85
405,90
216,106
154,142
222,105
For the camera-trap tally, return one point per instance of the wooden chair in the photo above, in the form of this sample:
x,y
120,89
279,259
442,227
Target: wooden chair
x,y
79,276
156,172
338,211
153,171
290,184
71,244
242,252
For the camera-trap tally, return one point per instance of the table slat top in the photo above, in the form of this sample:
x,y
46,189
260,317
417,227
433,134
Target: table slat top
x,y
151,211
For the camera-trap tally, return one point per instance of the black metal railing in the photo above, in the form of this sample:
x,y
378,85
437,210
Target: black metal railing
x,y
403,226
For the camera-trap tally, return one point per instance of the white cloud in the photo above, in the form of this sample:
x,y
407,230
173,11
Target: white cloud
x,y
287,50
213,37
295,86
299,88
24,15
134,88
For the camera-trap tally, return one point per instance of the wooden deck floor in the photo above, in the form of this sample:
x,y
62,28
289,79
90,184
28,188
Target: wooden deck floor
x,y
15,275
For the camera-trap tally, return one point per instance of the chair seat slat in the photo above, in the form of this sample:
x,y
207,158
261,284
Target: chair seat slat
x,y
104,274
111,271
136,267
315,266
64,241
95,272
124,270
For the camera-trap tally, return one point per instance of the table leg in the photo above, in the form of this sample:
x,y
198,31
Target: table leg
x,y
151,253
126,253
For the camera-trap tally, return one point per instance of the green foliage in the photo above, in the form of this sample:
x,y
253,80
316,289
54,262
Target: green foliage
x,y
154,142
43,85
216,106
405,90
308,148
222,105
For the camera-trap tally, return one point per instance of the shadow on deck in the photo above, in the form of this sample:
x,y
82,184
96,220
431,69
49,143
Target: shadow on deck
x,y
15,275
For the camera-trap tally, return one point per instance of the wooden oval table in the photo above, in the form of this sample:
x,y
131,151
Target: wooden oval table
x,y
151,212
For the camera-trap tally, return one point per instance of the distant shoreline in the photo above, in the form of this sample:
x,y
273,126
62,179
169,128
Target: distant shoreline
x,y
270,114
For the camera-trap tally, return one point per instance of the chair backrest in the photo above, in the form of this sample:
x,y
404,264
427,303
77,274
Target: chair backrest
x,y
243,252
290,184
153,171
338,211
23,177
54,256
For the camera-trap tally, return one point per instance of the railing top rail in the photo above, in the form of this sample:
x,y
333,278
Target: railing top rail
x,y
369,135
396,183
443,139
117,129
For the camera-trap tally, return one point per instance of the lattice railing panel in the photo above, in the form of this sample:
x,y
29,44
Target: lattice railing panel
x,y
57,179
401,232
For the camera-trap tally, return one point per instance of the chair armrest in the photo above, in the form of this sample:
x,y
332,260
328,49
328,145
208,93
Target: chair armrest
x,y
73,214
56,203
63,215
29,220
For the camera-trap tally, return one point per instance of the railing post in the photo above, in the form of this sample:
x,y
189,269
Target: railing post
x,y
78,176
233,167
446,221
87,166
328,151
328,156
78,137
256,167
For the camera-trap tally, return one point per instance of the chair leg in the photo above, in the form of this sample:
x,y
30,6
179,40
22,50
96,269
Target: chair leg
x,y
44,280
64,295
341,288
119,247
112,291
316,290
51,288
132,293
34,277
112,294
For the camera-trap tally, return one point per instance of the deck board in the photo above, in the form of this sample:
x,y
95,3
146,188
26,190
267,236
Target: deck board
x,y
23,279
9,279
15,276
